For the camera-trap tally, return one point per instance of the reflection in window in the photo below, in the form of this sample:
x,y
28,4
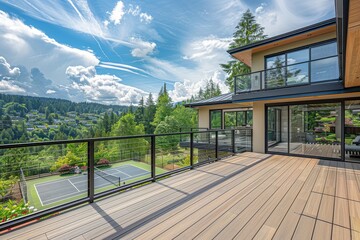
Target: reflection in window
x,y
352,130
325,69
236,119
293,68
215,119
297,74
275,62
298,56
230,119
326,50
275,78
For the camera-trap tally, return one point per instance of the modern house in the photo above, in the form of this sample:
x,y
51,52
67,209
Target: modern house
x,y
302,96
301,99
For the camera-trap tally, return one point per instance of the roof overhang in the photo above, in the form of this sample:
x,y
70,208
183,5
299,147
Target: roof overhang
x,y
244,53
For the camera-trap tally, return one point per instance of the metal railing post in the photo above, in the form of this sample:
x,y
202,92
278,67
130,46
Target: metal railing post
x,y
233,140
216,145
251,136
153,173
91,173
234,85
191,150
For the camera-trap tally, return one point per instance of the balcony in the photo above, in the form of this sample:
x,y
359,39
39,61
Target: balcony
x,y
245,196
321,70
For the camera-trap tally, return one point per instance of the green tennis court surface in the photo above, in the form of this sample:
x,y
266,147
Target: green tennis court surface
x,y
57,190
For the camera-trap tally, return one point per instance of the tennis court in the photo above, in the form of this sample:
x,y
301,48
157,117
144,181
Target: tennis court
x,y
57,190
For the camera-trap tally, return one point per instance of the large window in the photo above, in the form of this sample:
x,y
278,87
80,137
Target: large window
x,y
315,63
215,119
234,119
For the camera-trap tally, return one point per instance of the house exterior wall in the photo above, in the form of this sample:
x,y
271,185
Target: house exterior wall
x,y
259,127
258,58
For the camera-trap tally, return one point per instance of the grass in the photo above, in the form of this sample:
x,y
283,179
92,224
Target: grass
x,y
35,201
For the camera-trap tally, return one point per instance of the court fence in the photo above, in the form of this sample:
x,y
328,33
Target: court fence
x,y
163,154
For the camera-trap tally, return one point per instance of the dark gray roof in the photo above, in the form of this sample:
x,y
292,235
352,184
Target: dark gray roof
x,y
222,99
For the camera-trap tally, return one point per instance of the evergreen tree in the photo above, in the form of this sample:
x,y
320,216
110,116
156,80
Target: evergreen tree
x,y
140,112
163,107
149,113
247,31
106,123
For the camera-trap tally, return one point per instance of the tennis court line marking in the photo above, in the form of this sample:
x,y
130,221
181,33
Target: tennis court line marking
x,y
73,185
51,200
39,196
122,172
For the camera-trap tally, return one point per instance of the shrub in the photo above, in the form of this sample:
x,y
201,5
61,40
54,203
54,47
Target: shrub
x,y
103,162
64,169
14,209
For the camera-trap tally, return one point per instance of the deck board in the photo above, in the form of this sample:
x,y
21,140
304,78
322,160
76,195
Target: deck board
x,y
248,196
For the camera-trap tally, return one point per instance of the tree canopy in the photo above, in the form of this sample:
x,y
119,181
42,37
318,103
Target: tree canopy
x,y
247,31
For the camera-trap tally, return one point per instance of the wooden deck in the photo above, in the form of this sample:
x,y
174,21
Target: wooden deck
x,y
248,196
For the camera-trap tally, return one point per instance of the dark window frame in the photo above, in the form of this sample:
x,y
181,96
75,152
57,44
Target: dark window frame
x,y
221,118
342,115
286,65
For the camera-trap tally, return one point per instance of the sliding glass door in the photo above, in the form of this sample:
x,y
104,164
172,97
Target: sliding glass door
x,y
305,129
277,126
352,131
315,130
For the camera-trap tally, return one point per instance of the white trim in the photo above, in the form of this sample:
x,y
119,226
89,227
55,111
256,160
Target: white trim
x,y
38,195
73,185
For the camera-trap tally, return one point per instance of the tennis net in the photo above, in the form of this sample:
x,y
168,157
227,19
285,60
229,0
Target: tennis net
x,y
23,186
108,177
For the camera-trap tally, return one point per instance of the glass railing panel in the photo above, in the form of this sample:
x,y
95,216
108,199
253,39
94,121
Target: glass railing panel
x,y
37,178
275,78
172,152
225,140
204,146
121,162
243,140
297,74
249,82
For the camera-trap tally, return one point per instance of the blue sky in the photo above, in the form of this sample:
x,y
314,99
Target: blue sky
x,y
115,52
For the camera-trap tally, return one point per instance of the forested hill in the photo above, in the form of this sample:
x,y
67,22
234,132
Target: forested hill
x,y
59,105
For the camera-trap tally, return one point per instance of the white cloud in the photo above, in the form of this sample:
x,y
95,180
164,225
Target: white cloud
x,y
102,87
117,13
260,9
135,11
281,15
142,48
144,17
6,71
10,87
184,90
28,46
207,48
205,55
50,91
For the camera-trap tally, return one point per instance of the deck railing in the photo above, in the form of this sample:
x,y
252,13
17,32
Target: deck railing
x,y
58,175
295,74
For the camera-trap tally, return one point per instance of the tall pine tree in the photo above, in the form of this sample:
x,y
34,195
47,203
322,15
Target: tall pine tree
x,y
247,31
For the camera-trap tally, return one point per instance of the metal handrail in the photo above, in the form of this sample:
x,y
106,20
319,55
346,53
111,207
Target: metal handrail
x,y
262,72
91,195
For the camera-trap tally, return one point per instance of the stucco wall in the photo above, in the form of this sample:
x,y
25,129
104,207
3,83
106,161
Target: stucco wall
x,y
259,127
258,58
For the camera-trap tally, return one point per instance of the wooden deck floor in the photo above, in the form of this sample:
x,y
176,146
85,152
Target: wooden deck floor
x,y
249,196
